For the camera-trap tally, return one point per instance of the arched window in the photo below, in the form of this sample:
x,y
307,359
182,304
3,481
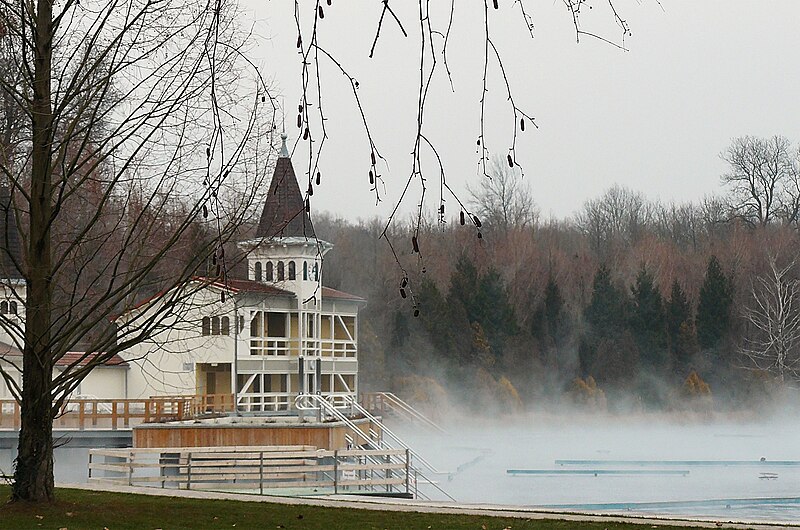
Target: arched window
x,y
269,275
3,308
12,308
316,272
280,271
225,326
215,325
258,271
206,326
292,273
305,270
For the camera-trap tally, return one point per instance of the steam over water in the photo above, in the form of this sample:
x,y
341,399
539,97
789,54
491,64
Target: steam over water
x,y
648,465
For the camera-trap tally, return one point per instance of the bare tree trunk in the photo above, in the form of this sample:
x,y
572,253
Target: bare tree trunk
x,y
33,475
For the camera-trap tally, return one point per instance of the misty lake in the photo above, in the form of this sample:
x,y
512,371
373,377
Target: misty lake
x,y
624,465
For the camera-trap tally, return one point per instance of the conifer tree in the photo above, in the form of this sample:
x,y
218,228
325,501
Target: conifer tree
x,y
606,313
714,307
647,321
680,328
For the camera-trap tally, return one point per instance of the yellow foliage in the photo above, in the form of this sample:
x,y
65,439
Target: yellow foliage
x,y
587,393
508,393
695,387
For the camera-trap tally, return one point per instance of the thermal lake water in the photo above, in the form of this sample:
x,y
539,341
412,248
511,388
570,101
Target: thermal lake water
x,y
615,465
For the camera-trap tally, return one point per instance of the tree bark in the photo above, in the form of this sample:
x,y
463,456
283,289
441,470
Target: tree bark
x,y
33,474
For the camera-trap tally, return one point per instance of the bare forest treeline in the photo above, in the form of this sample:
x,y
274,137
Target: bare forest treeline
x,y
628,305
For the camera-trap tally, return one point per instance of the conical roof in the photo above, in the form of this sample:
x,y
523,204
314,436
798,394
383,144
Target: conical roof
x,y
10,248
284,213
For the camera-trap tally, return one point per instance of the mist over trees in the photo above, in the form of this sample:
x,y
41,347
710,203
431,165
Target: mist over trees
x,y
631,304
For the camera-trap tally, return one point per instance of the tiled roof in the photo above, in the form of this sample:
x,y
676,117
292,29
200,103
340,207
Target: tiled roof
x,y
75,356
284,213
10,248
327,292
69,358
251,286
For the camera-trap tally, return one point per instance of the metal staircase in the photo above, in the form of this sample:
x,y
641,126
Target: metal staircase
x,y
377,436
384,402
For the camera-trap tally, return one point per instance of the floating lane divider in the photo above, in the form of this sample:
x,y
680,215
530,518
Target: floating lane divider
x,y
596,472
682,463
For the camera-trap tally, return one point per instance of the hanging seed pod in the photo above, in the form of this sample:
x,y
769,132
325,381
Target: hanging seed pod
x,y
371,177
480,236
424,270
372,157
300,108
522,124
404,282
205,212
321,12
496,6
319,178
329,2
305,134
222,297
461,217
477,221
299,121
310,190
208,151
510,161
214,259
479,141
299,41
403,293
441,209
308,206
263,99
416,312
414,244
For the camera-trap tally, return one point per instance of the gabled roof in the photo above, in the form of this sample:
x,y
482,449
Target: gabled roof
x,y
82,358
327,292
284,213
251,286
73,357
10,248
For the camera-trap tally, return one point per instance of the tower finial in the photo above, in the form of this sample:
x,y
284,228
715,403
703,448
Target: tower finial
x,y
284,151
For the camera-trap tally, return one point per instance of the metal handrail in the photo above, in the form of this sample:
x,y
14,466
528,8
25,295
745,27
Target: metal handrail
x,y
381,443
399,405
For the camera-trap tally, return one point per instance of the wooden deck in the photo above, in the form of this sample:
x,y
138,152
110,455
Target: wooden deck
x,y
115,414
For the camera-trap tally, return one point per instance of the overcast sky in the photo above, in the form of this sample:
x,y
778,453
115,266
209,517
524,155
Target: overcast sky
x,y
654,118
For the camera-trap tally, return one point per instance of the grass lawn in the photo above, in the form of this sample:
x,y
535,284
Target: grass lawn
x,y
78,509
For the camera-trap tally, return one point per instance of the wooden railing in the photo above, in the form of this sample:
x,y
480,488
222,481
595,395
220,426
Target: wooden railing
x,y
88,414
257,469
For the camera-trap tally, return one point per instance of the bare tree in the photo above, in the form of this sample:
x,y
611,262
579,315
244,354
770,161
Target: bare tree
x,y
503,199
139,146
620,214
761,177
774,314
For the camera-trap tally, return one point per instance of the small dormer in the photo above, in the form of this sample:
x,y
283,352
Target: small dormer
x,y
285,252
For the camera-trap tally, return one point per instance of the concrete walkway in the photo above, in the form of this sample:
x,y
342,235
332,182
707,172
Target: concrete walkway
x,y
404,505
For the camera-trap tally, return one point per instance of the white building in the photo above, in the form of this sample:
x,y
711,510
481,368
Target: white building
x,y
270,337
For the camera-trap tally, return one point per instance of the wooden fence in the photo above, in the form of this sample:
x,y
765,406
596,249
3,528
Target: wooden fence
x,y
257,468
88,414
